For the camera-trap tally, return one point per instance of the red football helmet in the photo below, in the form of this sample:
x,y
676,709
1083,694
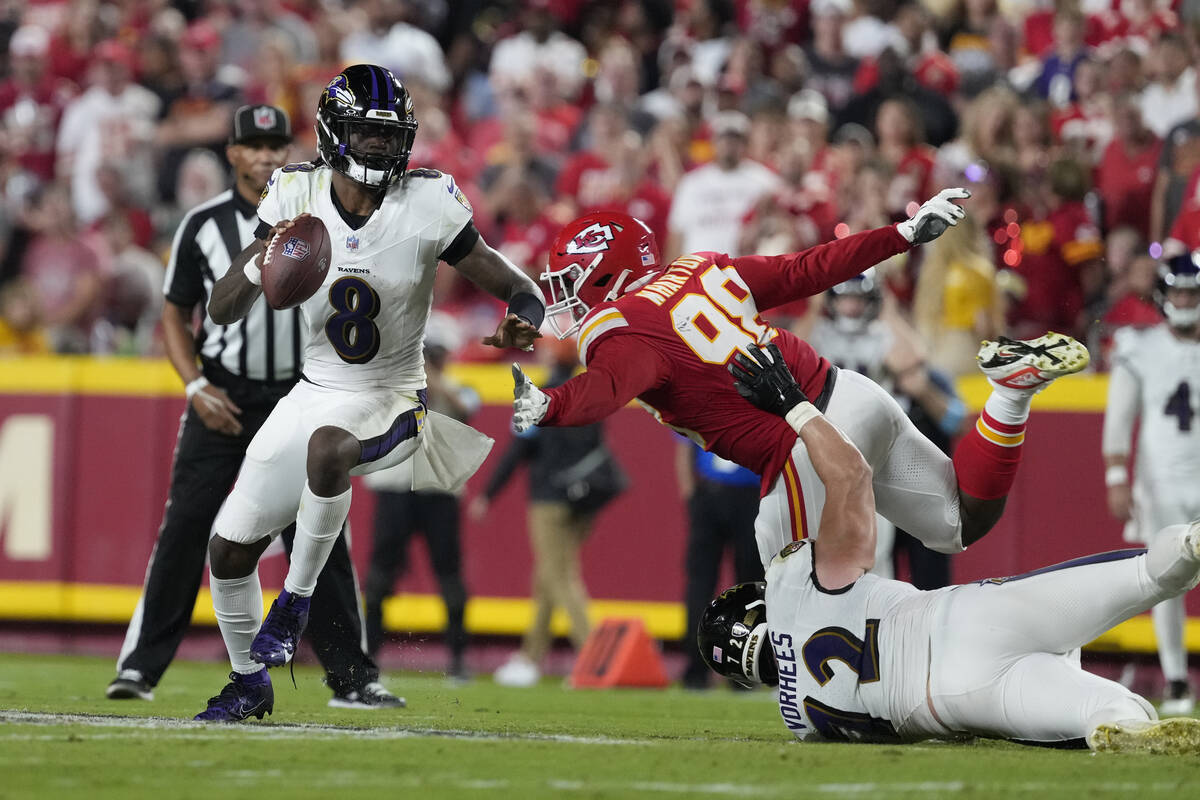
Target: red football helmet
x,y
597,258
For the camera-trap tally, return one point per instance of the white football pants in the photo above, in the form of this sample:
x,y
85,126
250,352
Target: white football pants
x,y
1004,657
915,485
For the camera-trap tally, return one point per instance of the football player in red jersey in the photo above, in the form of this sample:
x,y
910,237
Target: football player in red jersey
x,y
665,336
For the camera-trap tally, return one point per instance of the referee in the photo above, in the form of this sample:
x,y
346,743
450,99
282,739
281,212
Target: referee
x,y
242,372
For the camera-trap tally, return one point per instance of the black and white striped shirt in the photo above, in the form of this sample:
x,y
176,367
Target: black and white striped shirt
x,y
265,345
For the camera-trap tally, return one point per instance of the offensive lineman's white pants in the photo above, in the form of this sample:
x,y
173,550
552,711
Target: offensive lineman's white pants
x,y
1004,654
915,485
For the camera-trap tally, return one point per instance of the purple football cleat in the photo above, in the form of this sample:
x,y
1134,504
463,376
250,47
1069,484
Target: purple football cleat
x,y
243,697
279,635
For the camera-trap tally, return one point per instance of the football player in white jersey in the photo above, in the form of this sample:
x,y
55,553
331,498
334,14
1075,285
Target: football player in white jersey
x,y
857,657
360,406
1156,378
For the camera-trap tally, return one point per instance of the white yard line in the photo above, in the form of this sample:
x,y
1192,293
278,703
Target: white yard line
x,y
202,730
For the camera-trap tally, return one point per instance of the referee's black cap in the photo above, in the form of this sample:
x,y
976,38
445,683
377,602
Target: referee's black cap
x,y
257,122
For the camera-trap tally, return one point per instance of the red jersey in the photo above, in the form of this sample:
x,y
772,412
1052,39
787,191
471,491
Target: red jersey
x,y
1125,179
1055,249
667,344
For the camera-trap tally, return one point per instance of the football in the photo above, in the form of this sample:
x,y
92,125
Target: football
x,y
295,264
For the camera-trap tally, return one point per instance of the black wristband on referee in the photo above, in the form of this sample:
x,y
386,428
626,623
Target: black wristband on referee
x,y
528,307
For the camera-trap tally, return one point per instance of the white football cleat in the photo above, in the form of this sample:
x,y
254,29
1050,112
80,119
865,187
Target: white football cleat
x,y
1177,700
1031,363
518,672
1176,736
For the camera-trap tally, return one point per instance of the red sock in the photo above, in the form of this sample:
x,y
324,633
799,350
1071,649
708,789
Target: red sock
x,y
987,458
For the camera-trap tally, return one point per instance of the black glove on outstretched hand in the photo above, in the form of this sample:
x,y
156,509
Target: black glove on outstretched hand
x,y
765,380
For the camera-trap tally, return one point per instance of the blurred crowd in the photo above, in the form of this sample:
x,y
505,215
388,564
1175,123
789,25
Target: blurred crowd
x,y
742,126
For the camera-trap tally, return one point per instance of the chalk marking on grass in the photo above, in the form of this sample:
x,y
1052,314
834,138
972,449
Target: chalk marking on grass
x,y
192,729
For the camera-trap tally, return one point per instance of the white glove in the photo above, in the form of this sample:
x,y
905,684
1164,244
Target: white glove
x,y
933,217
530,403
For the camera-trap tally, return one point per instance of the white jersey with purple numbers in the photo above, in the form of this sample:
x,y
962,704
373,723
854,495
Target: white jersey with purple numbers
x,y
852,662
366,324
1165,371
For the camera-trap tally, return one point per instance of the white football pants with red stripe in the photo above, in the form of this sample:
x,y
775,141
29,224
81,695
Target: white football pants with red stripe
x,y
914,481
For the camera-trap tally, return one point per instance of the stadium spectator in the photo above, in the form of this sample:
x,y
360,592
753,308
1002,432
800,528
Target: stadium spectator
x,y
538,52
797,216
401,512
968,34
560,520
1032,138
132,299
62,271
1126,172
831,69
588,179
1056,81
1084,126
1132,296
21,331
893,79
1060,261
957,303
710,201
31,104
986,134
1178,162
198,115
113,121
257,24
1170,99
901,143
721,499
1123,72
387,37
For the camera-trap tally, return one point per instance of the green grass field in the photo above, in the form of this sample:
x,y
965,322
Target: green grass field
x,y
60,738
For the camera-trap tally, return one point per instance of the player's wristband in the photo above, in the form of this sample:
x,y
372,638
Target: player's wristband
x,y
528,307
801,414
195,386
253,273
1116,475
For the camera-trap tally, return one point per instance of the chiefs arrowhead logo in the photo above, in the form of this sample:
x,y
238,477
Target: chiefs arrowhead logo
x,y
592,239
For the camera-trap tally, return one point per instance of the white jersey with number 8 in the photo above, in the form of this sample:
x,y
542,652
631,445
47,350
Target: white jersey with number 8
x,y
365,326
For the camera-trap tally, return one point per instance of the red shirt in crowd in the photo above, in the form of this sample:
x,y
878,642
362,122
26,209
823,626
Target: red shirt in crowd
x,y
29,117
1054,249
588,179
1125,180
911,183
667,345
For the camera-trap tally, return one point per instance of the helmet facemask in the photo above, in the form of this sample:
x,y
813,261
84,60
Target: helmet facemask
x,y
1182,317
337,135
567,283
1181,273
564,285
